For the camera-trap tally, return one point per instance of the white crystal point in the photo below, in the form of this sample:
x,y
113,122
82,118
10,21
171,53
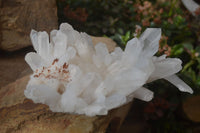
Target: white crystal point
x,y
160,58
90,83
95,110
182,86
131,80
101,51
72,35
45,48
146,65
115,100
60,44
39,94
117,54
86,38
34,39
70,54
102,56
132,51
165,68
150,37
143,94
65,26
52,35
34,60
69,101
84,46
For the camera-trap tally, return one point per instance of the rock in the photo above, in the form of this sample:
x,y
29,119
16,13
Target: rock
x,y
21,115
18,17
191,108
13,66
109,42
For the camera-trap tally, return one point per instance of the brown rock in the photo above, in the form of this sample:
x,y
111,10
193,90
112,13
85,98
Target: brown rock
x,y
18,17
109,42
13,66
20,115
191,108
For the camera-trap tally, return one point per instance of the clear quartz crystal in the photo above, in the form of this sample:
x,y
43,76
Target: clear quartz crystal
x,y
71,75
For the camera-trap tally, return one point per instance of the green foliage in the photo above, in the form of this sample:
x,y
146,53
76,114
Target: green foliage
x,y
177,50
104,16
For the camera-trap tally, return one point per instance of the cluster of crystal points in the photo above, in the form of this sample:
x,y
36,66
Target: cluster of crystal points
x,y
72,75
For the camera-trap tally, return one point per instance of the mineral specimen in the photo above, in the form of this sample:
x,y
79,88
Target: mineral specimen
x,y
71,75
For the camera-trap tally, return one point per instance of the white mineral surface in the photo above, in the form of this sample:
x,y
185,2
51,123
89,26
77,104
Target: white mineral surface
x,y
71,75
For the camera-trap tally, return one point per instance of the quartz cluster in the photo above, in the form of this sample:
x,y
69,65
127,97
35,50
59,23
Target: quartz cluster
x,y
72,75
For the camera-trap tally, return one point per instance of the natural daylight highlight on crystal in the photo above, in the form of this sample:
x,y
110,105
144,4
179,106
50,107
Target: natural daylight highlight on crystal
x,y
72,75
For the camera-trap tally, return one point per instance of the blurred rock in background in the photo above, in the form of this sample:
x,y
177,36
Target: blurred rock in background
x,y
18,17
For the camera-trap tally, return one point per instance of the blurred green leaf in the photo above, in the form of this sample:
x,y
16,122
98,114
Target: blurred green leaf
x,y
198,50
188,45
177,50
127,36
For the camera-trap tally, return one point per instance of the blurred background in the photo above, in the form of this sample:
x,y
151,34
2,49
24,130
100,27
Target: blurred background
x,y
170,111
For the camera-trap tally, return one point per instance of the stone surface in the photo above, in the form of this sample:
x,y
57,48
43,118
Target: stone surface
x,y
191,108
18,17
13,66
21,115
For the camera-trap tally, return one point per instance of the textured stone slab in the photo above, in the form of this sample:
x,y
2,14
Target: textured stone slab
x,y
21,115
191,108
13,66
18,17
